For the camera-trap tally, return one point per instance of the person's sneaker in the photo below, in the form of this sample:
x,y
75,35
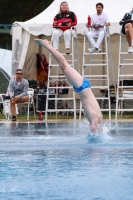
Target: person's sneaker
x,y
99,50
92,50
130,50
14,118
67,51
132,43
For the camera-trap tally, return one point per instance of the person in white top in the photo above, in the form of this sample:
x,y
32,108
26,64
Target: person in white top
x,y
98,21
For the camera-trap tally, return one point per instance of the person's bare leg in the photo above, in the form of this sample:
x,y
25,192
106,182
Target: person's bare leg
x,y
128,37
71,74
23,99
130,30
13,102
12,107
129,33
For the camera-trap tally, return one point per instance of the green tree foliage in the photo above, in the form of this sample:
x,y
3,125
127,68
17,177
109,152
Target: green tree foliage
x,y
3,83
22,10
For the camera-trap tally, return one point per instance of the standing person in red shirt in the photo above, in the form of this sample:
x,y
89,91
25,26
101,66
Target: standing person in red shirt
x,y
63,22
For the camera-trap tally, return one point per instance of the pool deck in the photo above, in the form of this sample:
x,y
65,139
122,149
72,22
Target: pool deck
x,y
58,120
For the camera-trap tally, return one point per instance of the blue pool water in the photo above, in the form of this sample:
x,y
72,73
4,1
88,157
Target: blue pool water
x,y
56,161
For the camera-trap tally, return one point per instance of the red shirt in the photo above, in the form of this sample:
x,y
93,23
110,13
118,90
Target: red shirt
x,y
65,17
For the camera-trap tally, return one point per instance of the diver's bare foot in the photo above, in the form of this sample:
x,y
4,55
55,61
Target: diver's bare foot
x,y
42,42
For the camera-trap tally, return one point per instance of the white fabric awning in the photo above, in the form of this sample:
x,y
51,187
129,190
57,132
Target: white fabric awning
x,y
42,23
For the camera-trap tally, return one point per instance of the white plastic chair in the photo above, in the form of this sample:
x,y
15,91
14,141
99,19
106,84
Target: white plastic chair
x,y
6,106
31,101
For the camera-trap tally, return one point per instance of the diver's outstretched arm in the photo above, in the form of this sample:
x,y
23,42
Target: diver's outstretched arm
x,y
71,74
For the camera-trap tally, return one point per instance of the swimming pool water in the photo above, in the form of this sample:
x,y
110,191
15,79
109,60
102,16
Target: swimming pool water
x,y
62,161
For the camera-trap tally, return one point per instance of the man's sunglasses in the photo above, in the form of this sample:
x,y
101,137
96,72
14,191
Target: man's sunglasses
x,y
19,73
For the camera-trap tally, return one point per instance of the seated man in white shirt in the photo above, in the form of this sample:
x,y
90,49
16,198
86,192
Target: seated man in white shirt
x,y
98,21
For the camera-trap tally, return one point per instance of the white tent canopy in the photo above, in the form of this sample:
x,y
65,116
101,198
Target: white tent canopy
x,y
24,48
41,24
